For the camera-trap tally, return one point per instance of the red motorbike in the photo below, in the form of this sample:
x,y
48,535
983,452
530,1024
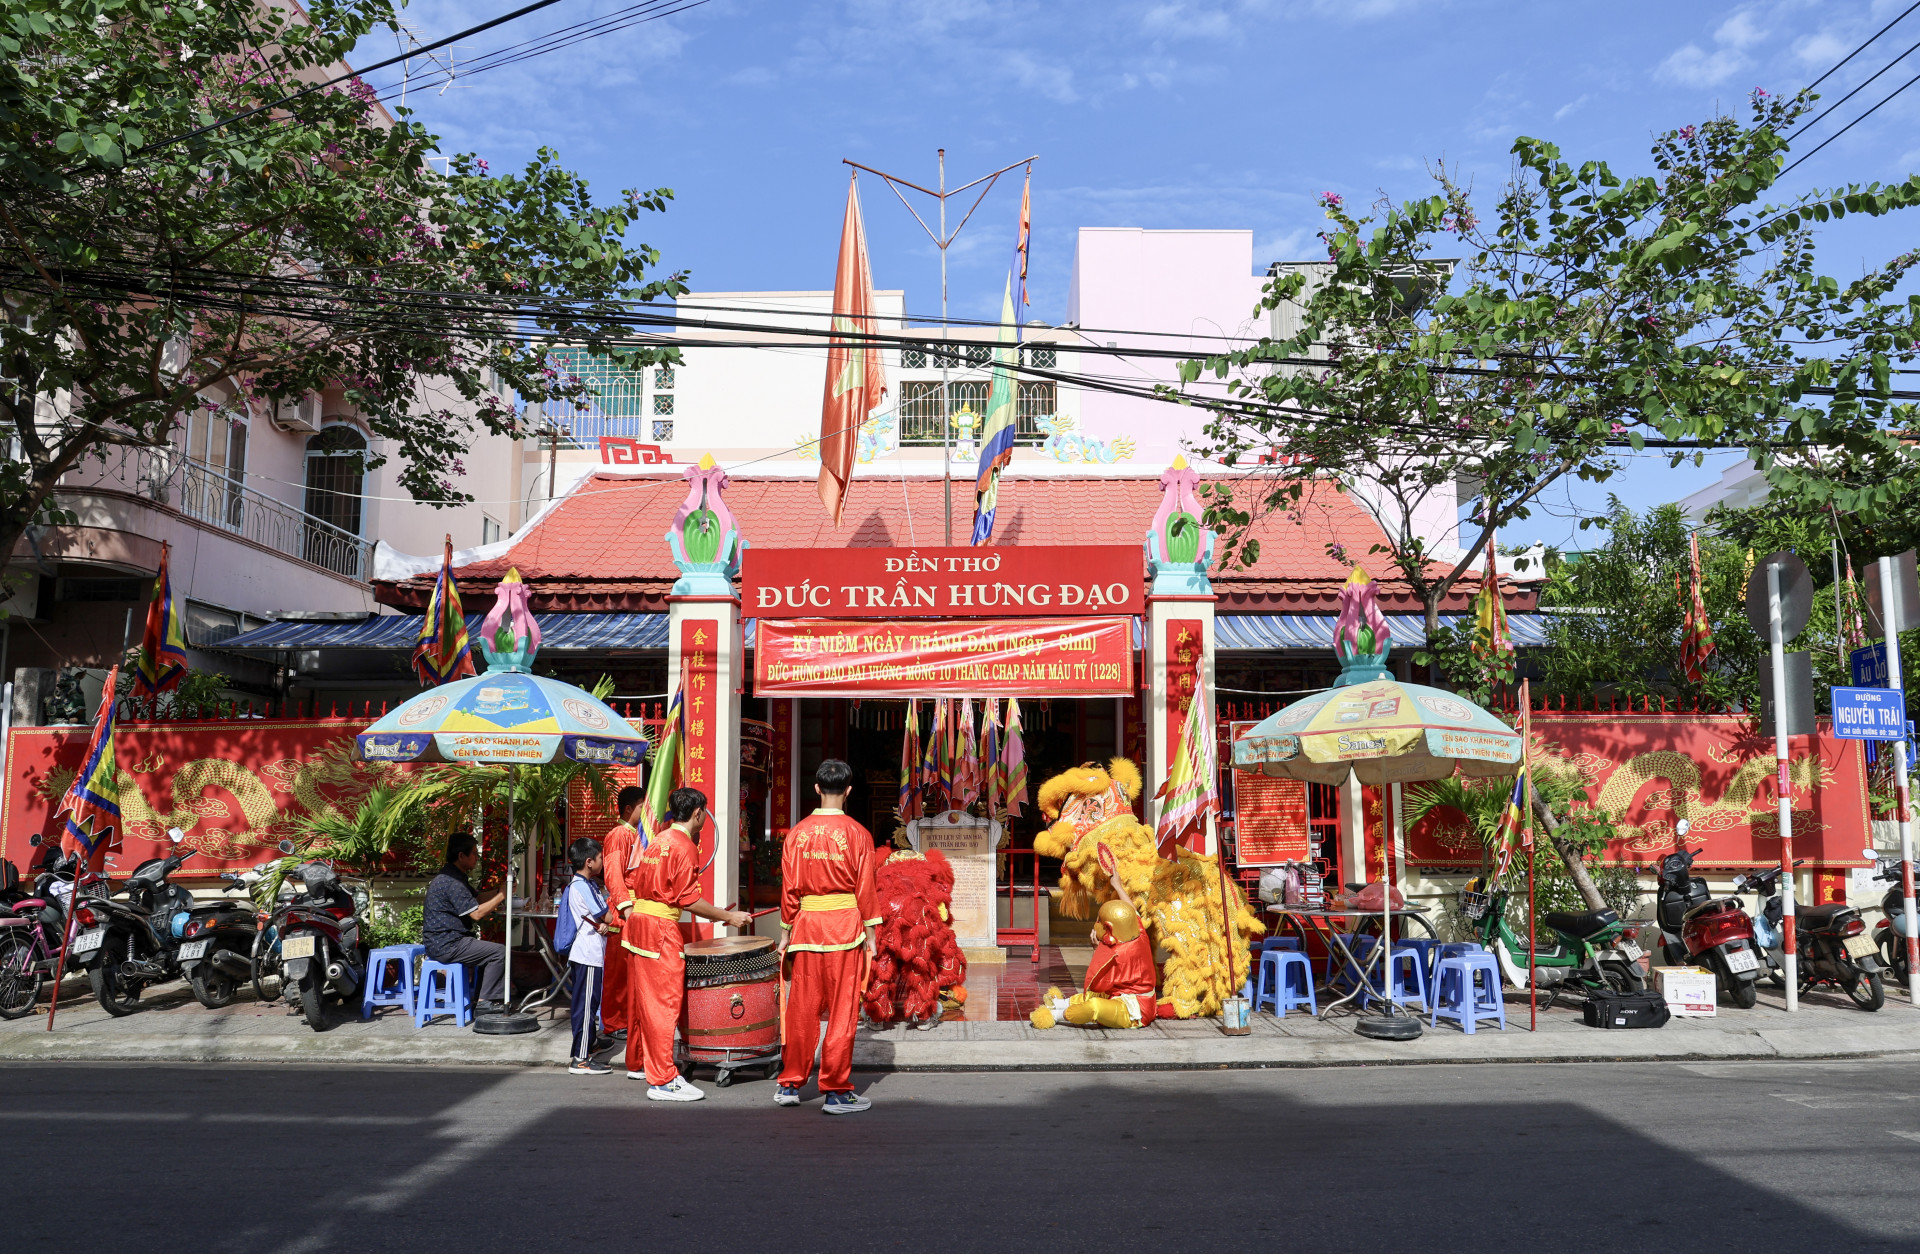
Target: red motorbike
x,y
1700,931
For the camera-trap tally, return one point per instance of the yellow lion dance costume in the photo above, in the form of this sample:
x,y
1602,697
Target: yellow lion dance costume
x,y
1179,899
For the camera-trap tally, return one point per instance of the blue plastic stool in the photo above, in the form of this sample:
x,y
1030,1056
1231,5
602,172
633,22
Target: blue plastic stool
x,y
1426,945
1279,942
1276,966
1458,994
1406,977
1349,977
1448,949
445,996
380,964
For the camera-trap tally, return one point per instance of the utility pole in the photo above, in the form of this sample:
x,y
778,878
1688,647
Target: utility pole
x,y
941,239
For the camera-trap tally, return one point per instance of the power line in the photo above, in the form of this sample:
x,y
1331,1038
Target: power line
x,y
1849,126
1863,47
1808,125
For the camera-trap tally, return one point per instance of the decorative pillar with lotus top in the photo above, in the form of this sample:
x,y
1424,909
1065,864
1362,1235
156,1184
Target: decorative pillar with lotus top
x,y
1179,633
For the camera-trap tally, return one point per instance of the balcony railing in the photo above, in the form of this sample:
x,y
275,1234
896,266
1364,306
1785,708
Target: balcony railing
x,y
218,499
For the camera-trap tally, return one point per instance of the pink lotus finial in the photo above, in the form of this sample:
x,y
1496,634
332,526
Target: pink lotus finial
x,y
1361,629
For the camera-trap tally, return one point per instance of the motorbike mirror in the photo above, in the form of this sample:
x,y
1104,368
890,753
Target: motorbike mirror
x,y
1682,827
34,839
1870,854
285,846
175,835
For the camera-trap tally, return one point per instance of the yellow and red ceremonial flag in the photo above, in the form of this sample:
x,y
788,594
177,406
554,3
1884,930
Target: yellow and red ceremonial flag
x,y
442,652
1696,634
163,646
1491,642
856,379
1512,832
668,768
1188,795
92,803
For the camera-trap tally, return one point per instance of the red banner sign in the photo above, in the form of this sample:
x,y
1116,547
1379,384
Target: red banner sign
x,y
1713,770
236,789
1043,657
1270,820
780,775
1010,582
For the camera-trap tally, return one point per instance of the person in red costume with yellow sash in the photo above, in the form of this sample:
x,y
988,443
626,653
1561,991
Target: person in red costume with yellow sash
x,y
1120,979
828,913
618,849
665,880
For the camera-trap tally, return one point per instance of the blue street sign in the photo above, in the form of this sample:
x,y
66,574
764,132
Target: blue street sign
x,y
1870,666
1869,714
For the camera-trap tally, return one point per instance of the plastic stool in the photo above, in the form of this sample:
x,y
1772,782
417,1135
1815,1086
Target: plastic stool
x,y
1406,976
379,964
447,996
1458,994
1276,965
1280,942
1426,945
1448,949
1349,976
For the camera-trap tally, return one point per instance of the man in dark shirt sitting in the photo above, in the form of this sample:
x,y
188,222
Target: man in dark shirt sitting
x,y
451,911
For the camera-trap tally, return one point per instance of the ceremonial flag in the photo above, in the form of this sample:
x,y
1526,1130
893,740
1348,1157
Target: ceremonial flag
x,y
163,646
996,436
909,808
1014,757
92,802
966,772
1188,794
442,653
1491,643
856,379
1512,829
993,775
1696,634
936,763
668,767
1022,247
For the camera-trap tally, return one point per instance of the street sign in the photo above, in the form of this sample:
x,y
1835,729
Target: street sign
x,y
1800,712
1869,713
1870,666
1796,595
1906,595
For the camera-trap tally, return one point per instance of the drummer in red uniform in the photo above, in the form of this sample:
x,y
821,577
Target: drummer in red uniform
x,y
665,880
828,911
618,848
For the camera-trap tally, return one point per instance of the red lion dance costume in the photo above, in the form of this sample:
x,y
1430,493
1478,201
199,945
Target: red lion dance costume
x,y
919,960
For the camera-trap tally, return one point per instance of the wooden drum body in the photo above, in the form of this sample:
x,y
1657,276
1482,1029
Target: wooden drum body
x,y
732,1006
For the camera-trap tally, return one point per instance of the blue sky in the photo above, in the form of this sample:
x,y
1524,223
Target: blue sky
x,y
1151,113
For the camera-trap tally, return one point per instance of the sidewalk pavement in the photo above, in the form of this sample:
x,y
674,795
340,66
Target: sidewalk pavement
x,y
177,1029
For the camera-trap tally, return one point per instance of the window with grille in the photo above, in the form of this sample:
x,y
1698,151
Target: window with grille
x,y
616,400
663,378
662,429
336,473
663,403
913,357
1035,401
1040,355
920,414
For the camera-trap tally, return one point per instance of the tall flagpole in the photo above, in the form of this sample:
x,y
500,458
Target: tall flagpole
x,y
1526,774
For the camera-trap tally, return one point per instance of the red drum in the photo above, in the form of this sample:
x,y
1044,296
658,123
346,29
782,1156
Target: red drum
x,y
732,1007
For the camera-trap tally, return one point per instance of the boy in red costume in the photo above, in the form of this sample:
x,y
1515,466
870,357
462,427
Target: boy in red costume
x,y
828,911
665,880
618,849
1120,979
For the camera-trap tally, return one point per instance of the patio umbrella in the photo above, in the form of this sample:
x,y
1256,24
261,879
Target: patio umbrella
x,y
508,716
1377,728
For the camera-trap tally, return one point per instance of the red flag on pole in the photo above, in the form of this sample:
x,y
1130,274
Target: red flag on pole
x,y
856,379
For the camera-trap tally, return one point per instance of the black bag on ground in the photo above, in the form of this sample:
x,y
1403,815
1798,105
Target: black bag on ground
x,y
1644,1009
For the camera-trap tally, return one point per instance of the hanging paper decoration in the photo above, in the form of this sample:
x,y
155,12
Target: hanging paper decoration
x,y
909,807
1696,634
92,803
1015,759
966,757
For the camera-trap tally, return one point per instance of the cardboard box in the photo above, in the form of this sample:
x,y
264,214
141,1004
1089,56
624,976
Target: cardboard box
x,y
1690,991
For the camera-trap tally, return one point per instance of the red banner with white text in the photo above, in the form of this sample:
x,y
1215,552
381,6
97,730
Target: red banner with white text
x,y
1714,770
1037,657
1002,581
235,789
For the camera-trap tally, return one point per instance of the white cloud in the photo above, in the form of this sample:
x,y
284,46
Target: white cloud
x,y
1561,113
1187,21
1693,66
1739,31
1055,82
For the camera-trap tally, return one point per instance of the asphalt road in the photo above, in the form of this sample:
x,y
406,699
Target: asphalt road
x,y
1621,1157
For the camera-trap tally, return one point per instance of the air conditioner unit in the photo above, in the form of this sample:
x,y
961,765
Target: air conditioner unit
x,y
300,415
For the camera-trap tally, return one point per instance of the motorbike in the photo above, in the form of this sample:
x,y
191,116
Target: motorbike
x,y
1697,930
311,945
1831,941
1595,951
216,945
1892,932
33,921
129,945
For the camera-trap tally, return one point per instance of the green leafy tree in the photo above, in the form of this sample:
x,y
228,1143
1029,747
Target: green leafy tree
x,y
1590,312
149,265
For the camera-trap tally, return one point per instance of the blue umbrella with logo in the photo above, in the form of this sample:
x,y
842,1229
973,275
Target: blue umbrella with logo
x,y
504,716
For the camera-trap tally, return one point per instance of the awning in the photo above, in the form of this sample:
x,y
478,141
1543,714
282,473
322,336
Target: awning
x,y
399,631
1315,631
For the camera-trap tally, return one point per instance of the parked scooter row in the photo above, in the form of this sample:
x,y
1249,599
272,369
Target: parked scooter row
x,y
1892,932
148,930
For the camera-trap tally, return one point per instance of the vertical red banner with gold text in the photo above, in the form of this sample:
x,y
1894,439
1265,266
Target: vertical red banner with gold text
x,y
780,767
700,672
1184,642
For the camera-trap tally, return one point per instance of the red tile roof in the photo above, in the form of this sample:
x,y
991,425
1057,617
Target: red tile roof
x,y
603,547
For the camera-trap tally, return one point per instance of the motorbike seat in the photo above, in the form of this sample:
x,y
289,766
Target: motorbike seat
x,y
1815,917
1582,925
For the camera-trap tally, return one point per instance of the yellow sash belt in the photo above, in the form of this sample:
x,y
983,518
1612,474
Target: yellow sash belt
x,y
658,909
829,901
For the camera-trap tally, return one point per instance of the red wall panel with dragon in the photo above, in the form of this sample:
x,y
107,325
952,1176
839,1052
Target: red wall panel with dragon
x,y
234,788
1711,769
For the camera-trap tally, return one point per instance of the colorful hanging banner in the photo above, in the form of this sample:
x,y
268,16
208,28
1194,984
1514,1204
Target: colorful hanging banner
x,y
1005,581
1086,657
